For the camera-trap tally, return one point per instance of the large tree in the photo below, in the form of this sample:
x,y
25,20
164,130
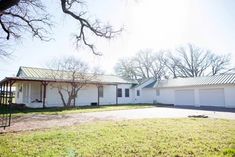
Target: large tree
x,y
192,61
185,61
19,16
145,64
72,75
125,68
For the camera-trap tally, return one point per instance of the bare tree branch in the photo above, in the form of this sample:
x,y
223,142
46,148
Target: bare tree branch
x,y
95,27
18,16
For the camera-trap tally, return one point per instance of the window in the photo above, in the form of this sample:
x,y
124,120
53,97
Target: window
x,y
101,91
157,92
119,92
127,92
138,92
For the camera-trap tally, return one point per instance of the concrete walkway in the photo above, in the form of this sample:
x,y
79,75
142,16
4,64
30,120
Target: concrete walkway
x,y
32,122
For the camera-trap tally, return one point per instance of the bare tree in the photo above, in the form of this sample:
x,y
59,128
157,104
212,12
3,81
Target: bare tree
x,y
145,64
192,61
172,64
142,61
71,75
220,64
157,68
18,16
125,68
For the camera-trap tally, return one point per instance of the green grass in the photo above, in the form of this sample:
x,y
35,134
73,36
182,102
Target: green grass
x,y
51,111
160,137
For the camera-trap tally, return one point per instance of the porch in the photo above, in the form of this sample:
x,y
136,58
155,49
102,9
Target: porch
x,y
40,94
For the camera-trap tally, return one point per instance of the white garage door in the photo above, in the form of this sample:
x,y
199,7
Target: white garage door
x,y
212,97
184,97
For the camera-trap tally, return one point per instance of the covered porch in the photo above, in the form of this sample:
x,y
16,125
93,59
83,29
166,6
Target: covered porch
x,y
35,93
16,90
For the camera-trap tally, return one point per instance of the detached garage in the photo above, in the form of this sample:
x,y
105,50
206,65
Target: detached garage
x,y
218,91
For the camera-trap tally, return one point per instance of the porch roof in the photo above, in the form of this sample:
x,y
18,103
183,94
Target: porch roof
x,y
7,79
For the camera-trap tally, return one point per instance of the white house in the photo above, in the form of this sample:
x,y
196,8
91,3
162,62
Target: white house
x,y
34,87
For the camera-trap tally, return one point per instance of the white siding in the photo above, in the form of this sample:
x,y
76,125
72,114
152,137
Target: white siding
x,y
87,95
109,96
35,91
123,99
229,93
148,95
166,96
19,93
53,98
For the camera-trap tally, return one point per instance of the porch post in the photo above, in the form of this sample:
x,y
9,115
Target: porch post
x,y
29,93
116,94
98,103
11,94
44,93
6,93
1,94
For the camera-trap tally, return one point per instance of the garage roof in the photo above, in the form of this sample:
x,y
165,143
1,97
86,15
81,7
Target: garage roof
x,y
197,81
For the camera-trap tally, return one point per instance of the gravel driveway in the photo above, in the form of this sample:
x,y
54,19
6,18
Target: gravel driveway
x,y
32,122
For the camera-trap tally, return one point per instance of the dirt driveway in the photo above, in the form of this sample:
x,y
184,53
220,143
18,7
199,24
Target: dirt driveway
x,y
32,122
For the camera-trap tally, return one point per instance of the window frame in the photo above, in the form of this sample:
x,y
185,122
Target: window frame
x,y
119,92
127,94
137,92
101,91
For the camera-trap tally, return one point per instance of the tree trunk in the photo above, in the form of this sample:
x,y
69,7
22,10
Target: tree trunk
x,y
62,98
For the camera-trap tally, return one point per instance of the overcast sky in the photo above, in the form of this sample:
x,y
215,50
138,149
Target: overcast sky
x,y
149,24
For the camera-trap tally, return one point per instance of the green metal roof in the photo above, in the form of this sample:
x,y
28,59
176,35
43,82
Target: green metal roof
x,y
48,74
151,85
197,81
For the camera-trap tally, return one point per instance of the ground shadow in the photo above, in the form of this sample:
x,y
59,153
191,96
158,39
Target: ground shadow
x,y
25,110
204,108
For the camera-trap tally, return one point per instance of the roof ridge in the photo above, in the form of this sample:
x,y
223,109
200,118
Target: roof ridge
x,y
65,70
201,76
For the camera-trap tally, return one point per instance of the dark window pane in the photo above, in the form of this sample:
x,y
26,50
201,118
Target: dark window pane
x,y
127,93
138,92
119,92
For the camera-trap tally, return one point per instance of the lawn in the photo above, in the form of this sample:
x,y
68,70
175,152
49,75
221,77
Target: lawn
x,y
82,109
159,137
